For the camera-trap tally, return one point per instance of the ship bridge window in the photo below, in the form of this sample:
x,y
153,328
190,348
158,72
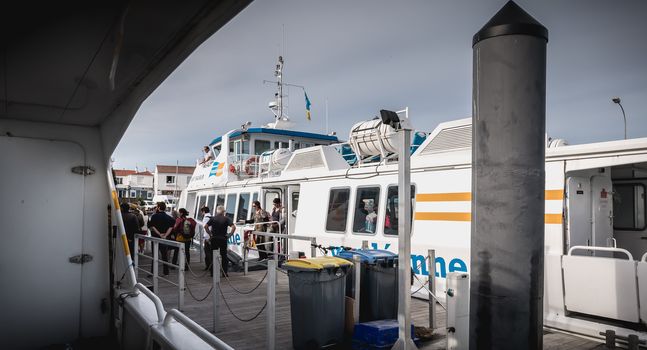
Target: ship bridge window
x,y
243,207
281,144
629,207
337,210
231,206
170,179
261,146
366,209
216,152
391,215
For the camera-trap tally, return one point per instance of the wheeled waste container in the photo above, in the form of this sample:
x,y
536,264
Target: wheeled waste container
x,y
317,305
378,285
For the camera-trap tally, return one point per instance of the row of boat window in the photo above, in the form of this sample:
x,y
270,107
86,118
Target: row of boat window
x,y
236,213
366,210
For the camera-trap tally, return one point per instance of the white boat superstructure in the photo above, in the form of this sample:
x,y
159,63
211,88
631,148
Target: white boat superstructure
x,y
595,226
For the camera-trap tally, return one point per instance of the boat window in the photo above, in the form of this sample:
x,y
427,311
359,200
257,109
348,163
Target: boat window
x,y
366,209
261,146
210,203
220,200
243,206
297,145
216,151
281,144
254,196
337,210
306,144
391,215
629,207
269,200
201,202
295,202
231,205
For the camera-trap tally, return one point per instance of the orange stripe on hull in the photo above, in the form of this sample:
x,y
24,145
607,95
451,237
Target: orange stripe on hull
x,y
467,196
444,216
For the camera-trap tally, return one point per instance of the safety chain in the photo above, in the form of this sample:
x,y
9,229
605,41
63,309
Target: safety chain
x,y
193,296
203,274
236,316
240,291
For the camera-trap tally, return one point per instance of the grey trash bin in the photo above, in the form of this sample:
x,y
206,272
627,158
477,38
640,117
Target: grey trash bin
x,y
379,283
317,304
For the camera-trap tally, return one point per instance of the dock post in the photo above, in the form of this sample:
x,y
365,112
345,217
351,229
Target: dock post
x,y
216,287
404,341
358,271
364,244
313,249
180,278
271,304
245,257
508,182
156,268
135,255
432,288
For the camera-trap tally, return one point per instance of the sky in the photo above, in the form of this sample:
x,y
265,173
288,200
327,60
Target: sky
x,y
365,55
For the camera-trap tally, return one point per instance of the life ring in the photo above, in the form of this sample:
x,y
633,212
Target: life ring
x,y
250,164
232,168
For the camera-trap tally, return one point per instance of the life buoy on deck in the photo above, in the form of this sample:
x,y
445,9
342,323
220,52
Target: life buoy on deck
x,y
250,164
232,168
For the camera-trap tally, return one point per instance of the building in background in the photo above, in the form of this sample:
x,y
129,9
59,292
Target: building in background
x,y
170,180
134,186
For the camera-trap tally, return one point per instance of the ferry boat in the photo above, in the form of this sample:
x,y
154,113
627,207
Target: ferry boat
x,y
344,193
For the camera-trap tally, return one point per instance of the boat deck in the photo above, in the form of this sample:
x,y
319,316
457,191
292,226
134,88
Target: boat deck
x,y
252,334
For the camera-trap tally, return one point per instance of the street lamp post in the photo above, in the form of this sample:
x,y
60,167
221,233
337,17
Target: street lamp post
x,y
617,100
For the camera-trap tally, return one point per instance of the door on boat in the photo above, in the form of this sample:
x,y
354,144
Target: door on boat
x,y
292,207
630,226
42,227
590,212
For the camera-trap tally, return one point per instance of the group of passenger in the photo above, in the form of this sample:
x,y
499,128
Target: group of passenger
x,y
178,227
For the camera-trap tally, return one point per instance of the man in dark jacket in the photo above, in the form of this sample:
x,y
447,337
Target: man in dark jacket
x,y
131,224
217,227
161,226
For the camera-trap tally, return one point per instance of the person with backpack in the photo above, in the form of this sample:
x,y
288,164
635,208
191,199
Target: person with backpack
x,y
184,229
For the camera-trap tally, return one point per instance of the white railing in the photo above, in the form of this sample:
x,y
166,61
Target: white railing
x,y
155,260
280,247
602,249
164,320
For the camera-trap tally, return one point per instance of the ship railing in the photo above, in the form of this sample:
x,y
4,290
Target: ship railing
x,y
244,165
278,242
168,330
155,260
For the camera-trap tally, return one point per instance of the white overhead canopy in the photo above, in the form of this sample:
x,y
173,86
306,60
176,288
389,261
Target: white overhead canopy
x,y
57,57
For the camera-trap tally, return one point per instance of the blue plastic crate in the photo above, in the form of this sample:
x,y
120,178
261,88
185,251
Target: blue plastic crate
x,y
376,334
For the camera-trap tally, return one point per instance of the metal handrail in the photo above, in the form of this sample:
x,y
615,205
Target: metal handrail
x,y
159,307
603,249
196,329
155,260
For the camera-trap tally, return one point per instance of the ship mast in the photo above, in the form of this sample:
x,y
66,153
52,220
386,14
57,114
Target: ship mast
x,y
278,73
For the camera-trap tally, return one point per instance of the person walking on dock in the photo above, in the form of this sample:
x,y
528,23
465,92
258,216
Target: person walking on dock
x,y
208,253
131,225
161,226
259,217
217,228
184,229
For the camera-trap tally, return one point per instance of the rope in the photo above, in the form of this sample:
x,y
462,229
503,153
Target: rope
x,y
239,291
193,296
236,316
203,274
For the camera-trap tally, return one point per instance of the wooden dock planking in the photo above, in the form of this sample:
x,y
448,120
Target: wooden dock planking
x,y
252,334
